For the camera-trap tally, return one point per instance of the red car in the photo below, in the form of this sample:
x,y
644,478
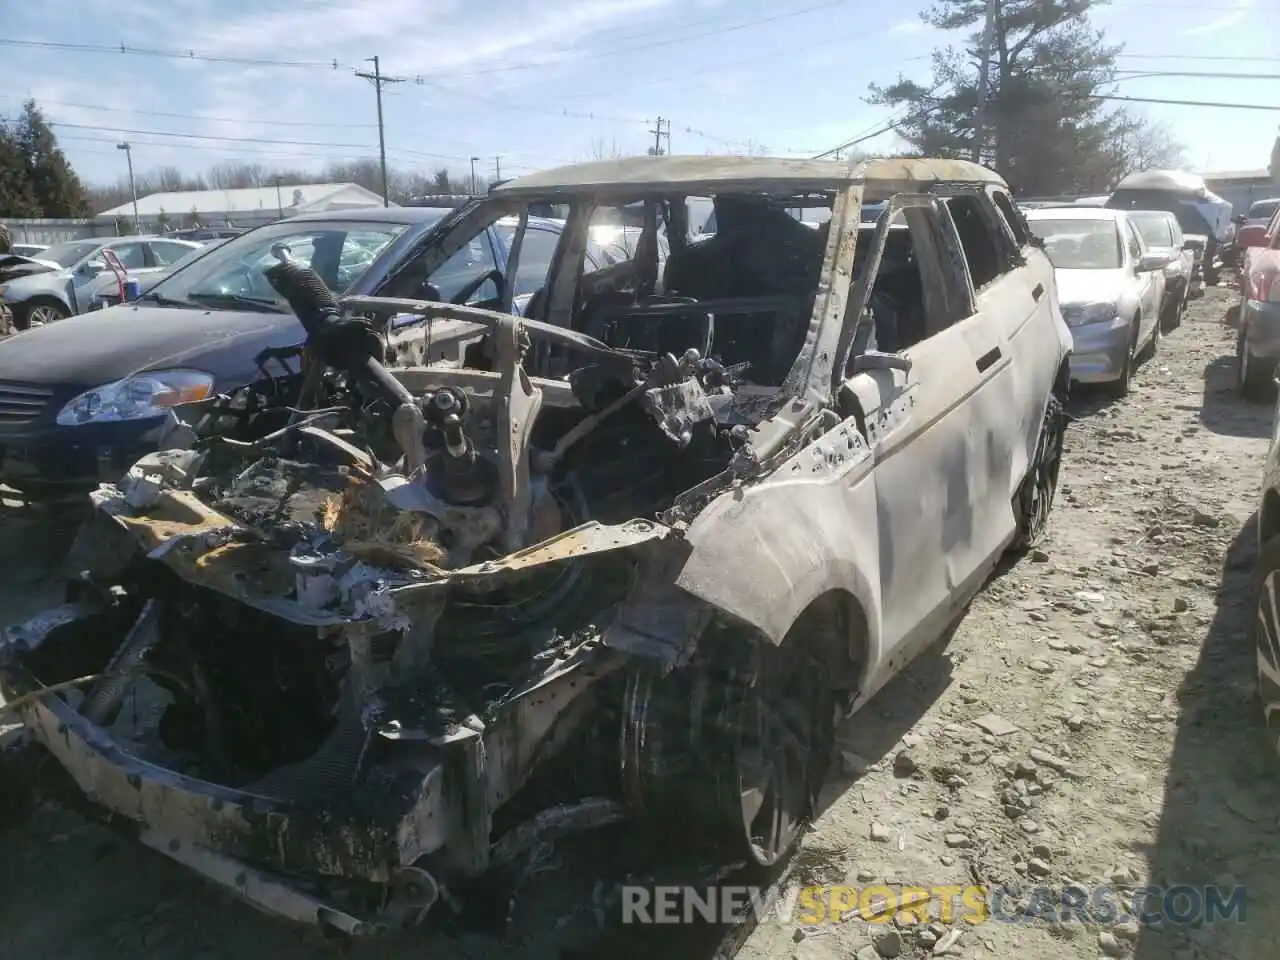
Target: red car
x,y
1258,343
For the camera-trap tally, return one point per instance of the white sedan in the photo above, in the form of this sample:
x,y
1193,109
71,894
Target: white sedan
x,y
1110,286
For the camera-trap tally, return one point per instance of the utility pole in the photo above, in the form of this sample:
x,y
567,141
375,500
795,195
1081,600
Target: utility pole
x,y
473,175
497,169
133,187
279,201
378,80
658,133
984,83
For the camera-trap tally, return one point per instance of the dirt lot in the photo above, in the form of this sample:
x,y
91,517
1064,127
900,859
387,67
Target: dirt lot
x,y
1117,655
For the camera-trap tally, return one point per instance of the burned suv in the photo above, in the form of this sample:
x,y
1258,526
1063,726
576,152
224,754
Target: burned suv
x,y
344,649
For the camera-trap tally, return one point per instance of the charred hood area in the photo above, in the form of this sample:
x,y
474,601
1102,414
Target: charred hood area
x,y
332,631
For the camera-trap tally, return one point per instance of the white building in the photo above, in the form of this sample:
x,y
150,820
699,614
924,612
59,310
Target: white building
x,y
244,208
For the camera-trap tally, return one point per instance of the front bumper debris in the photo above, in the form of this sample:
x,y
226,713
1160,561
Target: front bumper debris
x,y
313,860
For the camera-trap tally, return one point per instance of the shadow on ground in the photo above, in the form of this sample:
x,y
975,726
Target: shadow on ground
x,y
1223,410
1218,824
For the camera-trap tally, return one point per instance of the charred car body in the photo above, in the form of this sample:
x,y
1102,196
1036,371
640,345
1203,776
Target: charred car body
x,y
666,528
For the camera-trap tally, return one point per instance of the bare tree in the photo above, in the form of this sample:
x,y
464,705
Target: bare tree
x,y
602,149
1142,145
238,176
403,185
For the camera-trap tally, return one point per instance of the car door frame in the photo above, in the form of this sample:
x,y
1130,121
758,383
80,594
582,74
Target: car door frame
x,y
904,401
1030,337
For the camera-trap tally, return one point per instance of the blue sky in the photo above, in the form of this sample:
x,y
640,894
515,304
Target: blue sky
x,y
539,82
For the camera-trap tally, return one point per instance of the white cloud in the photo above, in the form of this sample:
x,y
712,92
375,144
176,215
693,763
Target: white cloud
x,y
411,36
1223,22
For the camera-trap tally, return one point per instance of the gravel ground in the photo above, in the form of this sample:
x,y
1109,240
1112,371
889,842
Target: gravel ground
x,y
1123,743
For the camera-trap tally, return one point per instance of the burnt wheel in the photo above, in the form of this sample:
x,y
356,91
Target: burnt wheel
x,y
735,748
1266,635
1035,498
777,721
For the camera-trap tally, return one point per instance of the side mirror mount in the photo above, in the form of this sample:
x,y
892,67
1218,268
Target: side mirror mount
x,y
1151,262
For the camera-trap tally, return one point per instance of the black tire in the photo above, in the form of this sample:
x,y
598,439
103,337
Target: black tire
x,y
743,719
1254,378
1264,625
40,309
1119,388
1171,317
1034,500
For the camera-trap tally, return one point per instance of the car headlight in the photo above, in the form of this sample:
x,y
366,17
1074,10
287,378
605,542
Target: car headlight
x,y
136,398
1079,314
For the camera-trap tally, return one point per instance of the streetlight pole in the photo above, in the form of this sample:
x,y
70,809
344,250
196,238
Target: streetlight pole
x,y
133,187
473,175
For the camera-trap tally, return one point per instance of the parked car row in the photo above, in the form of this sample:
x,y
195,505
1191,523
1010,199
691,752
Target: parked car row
x,y
1123,279
66,277
83,398
1258,316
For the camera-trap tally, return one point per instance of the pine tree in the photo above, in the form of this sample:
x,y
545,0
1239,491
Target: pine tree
x,y
58,191
17,199
1045,130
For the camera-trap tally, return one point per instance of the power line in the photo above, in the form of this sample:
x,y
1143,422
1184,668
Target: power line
x,y
1190,103
889,126
190,116
522,107
261,140
234,151
217,138
335,64
169,54
1209,74
1180,56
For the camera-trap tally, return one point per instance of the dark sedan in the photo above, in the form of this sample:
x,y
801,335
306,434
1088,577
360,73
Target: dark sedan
x,y
82,399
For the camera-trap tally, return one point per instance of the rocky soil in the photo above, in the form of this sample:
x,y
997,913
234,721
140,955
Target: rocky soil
x,y
1092,721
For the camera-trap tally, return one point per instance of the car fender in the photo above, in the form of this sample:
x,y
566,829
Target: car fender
x,y
762,552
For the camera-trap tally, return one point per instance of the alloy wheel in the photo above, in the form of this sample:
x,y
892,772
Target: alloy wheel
x,y
43,314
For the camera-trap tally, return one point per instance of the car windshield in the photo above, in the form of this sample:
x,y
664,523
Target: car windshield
x,y
1154,229
1076,244
1263,210
339,251
1189,218
68,254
